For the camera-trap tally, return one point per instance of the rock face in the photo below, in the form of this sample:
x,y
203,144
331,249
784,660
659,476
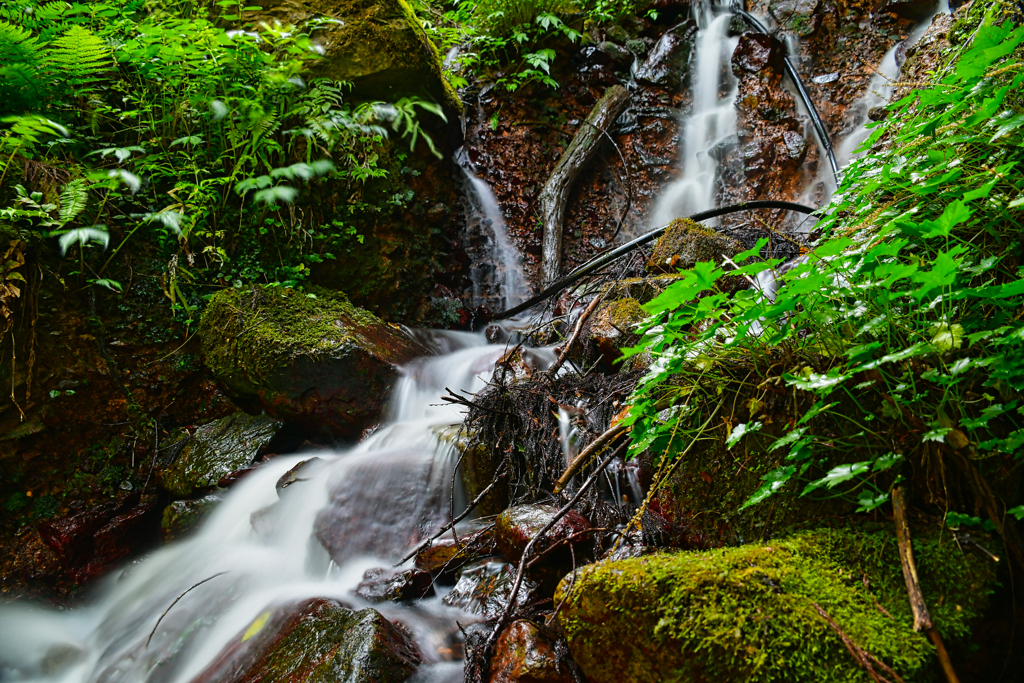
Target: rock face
x,y
525,654
216,450
796,15
517,526
758,611
758,52
183,516
668,63
377,45
312,359
383,585
316,641
90,542
685,243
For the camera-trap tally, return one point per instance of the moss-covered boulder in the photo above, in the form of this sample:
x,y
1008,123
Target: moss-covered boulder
x,y
685,243
312,359
613,327
216,449
183,516
377,45
762,612
316,641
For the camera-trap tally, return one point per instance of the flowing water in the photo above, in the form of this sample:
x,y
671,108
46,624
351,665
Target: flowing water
x,y
368,504
712,119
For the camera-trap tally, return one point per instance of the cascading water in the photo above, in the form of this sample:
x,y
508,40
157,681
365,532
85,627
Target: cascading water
x,y
485,222
353,510
712,119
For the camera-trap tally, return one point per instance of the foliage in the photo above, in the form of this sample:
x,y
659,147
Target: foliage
x,y
899,336
209,144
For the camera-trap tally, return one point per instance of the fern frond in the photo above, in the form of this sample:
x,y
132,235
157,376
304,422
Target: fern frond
x,y
73,199
17,46
80,57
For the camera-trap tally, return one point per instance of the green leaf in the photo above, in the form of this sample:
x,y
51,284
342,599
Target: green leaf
x,y
771,483
839,474
741,430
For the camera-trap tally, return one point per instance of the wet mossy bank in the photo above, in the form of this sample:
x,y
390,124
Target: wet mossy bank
x,y
783,610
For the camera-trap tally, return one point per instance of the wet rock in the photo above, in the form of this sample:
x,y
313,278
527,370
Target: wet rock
x,y
795,146
485,587
915,10
612,327
316,641
478,471
90,542
517,526
685,243
182,516
668,63
758,53
383,585
296,474
643,289
312,359
217,449
619,56
445,555
526,654
796,15
826,78
377,45
878,113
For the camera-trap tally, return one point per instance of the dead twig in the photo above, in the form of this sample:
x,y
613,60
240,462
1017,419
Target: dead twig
x,y
865,659
209,578
589,452
553,370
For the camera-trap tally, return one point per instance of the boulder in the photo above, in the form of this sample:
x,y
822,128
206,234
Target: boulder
x,y
316,641
484,588
91,542
619,56
768,611
311,358
202,459
478,469
526,654
383,585
758,53
183,516
685,243
517,526
377,45
668,63
445,555
796,15
612,327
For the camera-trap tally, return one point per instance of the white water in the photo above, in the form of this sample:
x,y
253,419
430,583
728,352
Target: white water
x,y
486,214
397,480
712,118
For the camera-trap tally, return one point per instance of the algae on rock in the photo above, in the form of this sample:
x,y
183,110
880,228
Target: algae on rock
x,y
311,358
750,613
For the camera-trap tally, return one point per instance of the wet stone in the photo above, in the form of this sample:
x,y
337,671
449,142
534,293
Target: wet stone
x,y
796,15
685,243
517,526
757,52
668,63
217,449
618,55
445,556
484,588
384,585
526,654
183,516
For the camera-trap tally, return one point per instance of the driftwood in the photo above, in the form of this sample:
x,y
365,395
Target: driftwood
x,y
555,195
922,619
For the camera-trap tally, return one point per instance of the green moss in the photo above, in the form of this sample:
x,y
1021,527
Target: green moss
x,y
249,333
643,289
685,243
749,613
625,313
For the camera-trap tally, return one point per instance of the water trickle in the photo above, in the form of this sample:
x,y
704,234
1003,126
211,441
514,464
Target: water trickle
x,y
356,509
712,119
499,281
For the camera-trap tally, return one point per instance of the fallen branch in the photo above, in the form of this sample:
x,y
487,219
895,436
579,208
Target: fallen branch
x,y
553,370
866,660
555,195
590,451
514,593
209,578
922,619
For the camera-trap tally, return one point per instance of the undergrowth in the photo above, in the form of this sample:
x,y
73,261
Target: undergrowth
x,y
896,345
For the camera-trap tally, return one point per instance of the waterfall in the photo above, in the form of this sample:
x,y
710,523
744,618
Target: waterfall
x,y
358,508
487,224
712,119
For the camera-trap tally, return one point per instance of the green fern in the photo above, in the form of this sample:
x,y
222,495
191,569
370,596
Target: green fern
x,y
73,199
79,58
21,85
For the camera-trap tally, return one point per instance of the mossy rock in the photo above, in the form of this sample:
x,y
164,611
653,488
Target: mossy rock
x,y
643,289
215,450
183,516
754,612
612,327
312,359
478,470
316,641
377,45
685,243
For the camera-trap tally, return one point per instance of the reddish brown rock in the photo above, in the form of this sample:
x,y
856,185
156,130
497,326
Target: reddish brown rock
x,y
526,654
445,555
517,526
757,52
